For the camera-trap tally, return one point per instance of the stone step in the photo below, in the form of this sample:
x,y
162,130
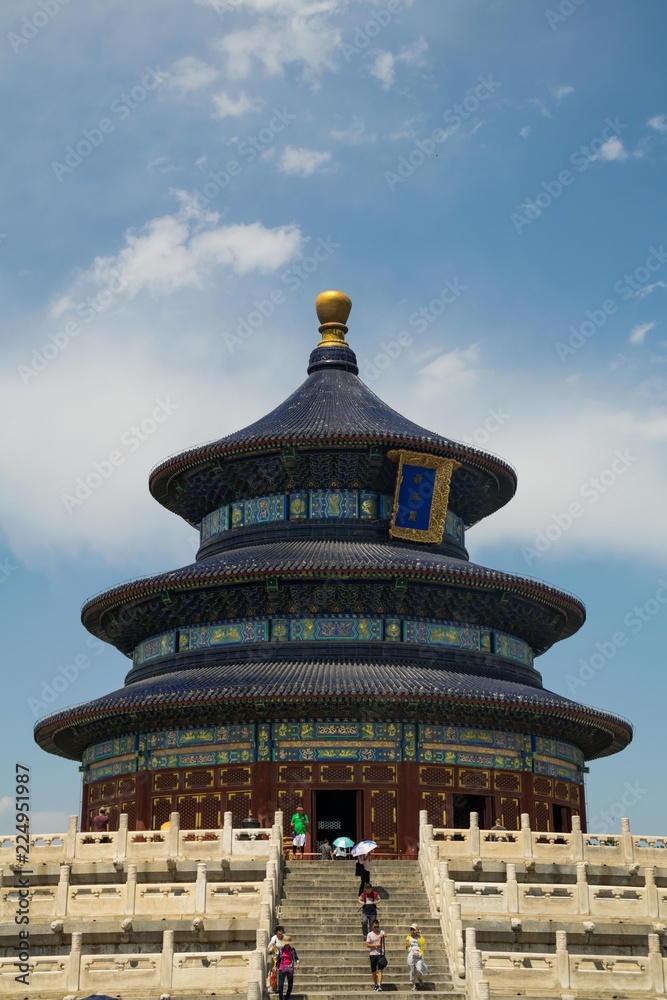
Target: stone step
x,y
362,993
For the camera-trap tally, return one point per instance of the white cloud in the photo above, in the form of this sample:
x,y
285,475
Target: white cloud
x,y
613,149
638,333
287,32
647,289
558,93
658,122
191,74
384,63
229,107
455,369
525,131
412,54
384,69
177,251
538,103
355,134
301,161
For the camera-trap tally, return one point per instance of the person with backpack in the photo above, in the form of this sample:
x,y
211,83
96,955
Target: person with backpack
x,y
288,962
375,945
369,911
363,870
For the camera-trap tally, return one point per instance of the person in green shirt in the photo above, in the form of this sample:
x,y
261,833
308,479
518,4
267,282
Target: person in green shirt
x,y
299,823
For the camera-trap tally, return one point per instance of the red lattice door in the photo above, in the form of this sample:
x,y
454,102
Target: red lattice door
x,y
383,819
542,817
435,804
510,810
239,804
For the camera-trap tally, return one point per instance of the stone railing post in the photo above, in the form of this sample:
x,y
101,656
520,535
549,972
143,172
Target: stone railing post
x,y
562,960
652,903
473,971
258,961
656,964
577,840
62,892
74,971
511,889
456,939
526,836
626,839
483,990
200,888
70,840
447,888
121,837
227,827
174,835
279,821
261,940
474,835
255,991
167,960
583,892
131,890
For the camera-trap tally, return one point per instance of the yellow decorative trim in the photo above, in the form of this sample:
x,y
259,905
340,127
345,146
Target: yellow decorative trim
x,y
444,468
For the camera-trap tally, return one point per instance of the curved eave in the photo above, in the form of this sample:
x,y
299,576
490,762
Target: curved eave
x,y
314,560
168,472
415,692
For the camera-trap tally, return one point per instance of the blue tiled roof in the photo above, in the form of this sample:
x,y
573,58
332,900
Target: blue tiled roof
x,y
333,406
318,557
232,689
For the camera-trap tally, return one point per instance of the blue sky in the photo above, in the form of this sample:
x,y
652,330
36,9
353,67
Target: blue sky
x,y
484,179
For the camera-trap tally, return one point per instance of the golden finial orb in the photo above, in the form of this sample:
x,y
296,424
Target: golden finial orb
x,y
333,308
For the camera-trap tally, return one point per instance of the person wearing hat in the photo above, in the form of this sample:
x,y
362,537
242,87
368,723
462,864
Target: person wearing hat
x,y
299,823
414,945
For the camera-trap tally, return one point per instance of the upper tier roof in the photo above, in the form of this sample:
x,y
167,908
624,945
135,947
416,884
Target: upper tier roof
x,y
334,408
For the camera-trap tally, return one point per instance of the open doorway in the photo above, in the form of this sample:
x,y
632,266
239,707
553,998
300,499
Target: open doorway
x,y
562,819
464,805
335,816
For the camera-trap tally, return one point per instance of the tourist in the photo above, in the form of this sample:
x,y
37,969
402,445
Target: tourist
x,y
375,944
299,823
100,824
288,962
275,947
368,898
340,854
417,967
498,827
363,870
326,853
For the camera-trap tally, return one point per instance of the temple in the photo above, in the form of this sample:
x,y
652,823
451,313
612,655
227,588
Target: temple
x,y
332,645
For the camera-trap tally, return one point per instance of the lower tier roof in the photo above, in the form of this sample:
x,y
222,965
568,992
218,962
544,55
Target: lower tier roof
x,y
275,690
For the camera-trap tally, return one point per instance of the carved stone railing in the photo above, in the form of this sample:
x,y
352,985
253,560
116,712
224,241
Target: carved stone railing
x,y
482,973
144,845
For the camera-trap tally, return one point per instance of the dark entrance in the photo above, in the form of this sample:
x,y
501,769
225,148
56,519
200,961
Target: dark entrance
x,y
335,816
464,805
562,819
